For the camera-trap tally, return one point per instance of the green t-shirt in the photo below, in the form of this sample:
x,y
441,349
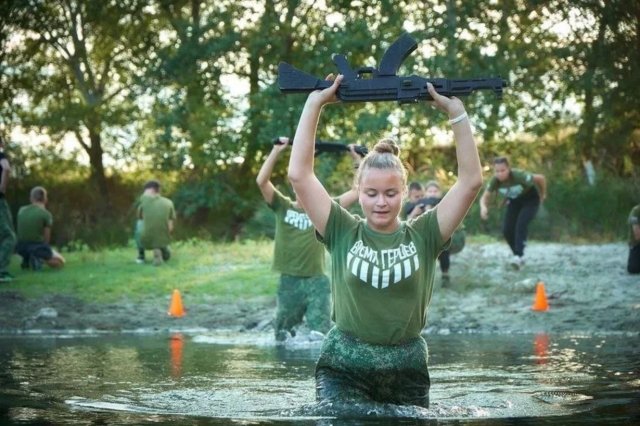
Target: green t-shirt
x,y
382,283
32,219
156,212
634,219
518,183
296,250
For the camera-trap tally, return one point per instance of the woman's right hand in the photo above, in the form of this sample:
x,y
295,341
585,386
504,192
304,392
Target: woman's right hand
x,y
328,95
284,143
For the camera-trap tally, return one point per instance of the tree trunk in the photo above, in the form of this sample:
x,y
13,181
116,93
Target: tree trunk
x,y
586,131
98,176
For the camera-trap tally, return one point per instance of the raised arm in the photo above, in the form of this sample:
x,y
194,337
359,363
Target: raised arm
x,y
264,175
309,191
351,196
455,204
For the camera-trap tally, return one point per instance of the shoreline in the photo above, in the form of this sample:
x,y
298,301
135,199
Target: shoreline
x,y
587,287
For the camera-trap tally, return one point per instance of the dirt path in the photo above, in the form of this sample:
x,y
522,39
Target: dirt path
x,y
587,287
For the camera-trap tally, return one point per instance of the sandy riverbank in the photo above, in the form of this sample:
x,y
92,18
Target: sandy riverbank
x,y
587,287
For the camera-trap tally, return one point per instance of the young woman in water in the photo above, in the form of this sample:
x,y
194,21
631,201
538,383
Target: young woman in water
x,y
382,268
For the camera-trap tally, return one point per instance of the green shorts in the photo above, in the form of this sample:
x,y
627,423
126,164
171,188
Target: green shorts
x,y
352,370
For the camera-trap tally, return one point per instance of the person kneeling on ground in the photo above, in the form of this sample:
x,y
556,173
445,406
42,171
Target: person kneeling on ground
x,y
158,215
34,233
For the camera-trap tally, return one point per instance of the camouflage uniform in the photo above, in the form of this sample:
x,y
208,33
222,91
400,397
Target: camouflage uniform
x,y
300,297
304,289
352,370
381,289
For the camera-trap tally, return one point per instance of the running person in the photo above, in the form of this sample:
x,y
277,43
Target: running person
x,y
382,268
523,193
304,289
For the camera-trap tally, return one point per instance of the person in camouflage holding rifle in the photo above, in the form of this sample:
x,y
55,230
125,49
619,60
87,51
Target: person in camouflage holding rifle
x,y
303,290
382,267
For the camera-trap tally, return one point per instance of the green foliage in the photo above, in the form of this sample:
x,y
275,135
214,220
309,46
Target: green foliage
x,y
186,90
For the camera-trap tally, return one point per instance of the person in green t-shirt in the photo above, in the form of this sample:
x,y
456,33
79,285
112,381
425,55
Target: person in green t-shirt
x,y
413,207
7,234
158,218
633,263
382,267
523,193
426,198
34,233
303,290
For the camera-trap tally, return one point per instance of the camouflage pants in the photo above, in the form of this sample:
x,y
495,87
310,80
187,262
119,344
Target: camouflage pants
x,y
352,370
300,297
7,235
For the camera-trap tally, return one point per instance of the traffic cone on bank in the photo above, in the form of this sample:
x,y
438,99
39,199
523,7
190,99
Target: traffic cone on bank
x,y
540,302
176,309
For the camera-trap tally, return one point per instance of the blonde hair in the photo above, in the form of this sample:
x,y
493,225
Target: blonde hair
x,y
385,155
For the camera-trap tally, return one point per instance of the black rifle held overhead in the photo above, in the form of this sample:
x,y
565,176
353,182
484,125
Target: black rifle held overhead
x,y
330,147
382,84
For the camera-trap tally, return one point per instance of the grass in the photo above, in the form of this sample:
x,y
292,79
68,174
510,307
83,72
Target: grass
x,y
204,270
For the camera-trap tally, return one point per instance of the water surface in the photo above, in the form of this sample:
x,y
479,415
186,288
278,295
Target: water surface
x,y
242,378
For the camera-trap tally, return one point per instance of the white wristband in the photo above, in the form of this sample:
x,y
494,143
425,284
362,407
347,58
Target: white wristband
x,y
458,118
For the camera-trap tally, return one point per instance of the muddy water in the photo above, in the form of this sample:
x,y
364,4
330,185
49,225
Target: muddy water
x,y
220,378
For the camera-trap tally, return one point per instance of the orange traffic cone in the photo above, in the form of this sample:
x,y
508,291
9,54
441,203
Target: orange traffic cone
x,y
175,308
540,303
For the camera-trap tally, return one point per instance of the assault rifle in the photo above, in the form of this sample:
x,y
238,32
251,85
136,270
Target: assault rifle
x,y
329,147
382,84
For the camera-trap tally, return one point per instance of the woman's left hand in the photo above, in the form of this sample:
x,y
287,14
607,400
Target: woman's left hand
x,y
452,106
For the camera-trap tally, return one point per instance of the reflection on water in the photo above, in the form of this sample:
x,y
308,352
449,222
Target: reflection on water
x,y
246,379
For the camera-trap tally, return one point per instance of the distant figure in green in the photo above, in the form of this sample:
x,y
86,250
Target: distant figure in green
x,y
633,264
7,235
523,193
158,216
34,233
304,289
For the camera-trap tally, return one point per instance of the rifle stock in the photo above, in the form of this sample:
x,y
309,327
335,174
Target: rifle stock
x,y
384,84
